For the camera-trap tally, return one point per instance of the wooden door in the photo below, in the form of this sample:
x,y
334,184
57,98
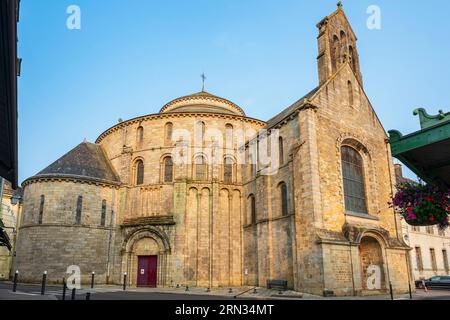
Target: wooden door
x,y
147,271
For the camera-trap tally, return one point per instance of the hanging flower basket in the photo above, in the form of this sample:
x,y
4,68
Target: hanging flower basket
x,y
422,205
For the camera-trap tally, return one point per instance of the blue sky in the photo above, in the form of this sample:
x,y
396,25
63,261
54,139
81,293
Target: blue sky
x,y
132,56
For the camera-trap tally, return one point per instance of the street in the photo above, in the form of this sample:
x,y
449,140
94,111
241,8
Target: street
x,y
33,292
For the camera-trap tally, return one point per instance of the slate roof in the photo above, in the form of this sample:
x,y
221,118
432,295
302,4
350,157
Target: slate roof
x,y
288,111
204,95
86,161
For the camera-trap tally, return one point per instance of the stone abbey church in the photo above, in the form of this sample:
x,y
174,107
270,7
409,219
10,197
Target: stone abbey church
x,y
321,222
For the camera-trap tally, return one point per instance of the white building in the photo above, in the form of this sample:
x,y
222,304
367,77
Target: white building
x,y
430,246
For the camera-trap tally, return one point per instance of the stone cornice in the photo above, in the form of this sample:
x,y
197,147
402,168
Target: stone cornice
x,y
169,115
68,178
152,221
63,225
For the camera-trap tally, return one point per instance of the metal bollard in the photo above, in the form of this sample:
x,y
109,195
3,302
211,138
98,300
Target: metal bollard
x,y
390,289
88,296
254,291
44,280
74,291
230,290
187,288
410,290
92,280
124,281
16,277
64,289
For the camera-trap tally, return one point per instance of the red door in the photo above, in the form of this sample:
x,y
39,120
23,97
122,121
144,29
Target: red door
x,y
147,267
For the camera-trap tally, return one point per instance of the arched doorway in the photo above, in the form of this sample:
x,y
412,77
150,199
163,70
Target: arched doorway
x,y
372,264
146,252
145,258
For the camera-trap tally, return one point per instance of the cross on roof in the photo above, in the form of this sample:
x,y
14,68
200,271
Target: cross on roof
x,y
203,81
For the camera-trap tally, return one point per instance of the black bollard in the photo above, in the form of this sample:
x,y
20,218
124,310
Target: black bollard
x,y
92,280
74,291
124,281
187,288
88,296
64,289
44,279
390,289
230,290
254,291
16,277
410,290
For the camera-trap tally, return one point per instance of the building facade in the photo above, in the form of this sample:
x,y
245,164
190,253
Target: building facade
x,y
202,195
430,246
9,71
10,216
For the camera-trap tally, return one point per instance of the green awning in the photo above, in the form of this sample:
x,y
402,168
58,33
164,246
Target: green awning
x,y
426,152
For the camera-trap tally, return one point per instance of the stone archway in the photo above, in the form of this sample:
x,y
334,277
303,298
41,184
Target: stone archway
x,y
372,264
146,243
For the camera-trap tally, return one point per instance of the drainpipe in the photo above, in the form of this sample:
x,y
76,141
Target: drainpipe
x,y
110,237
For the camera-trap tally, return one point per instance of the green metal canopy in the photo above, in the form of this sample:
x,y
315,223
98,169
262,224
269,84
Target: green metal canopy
x,y
426,152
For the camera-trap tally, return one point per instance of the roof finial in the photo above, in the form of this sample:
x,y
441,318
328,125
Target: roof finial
x,y
203,81
339,4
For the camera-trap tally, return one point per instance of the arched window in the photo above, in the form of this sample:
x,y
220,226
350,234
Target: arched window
x,y
252,208
41,209
140,136
343,37
79,209
335,53
280,151
350,93
168,133
139,169
168,169
351,53
354,186
228,136
228,171
201,168
283,199
103,216
200,129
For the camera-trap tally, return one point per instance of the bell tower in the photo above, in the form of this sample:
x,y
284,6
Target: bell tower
x,y
337,45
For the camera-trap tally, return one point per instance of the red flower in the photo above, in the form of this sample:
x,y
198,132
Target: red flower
x,y
431,219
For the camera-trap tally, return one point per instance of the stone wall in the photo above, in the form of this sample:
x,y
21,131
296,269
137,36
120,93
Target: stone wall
x,y
59,242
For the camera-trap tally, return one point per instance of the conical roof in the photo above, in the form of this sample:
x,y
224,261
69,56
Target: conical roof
x,y
86,161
